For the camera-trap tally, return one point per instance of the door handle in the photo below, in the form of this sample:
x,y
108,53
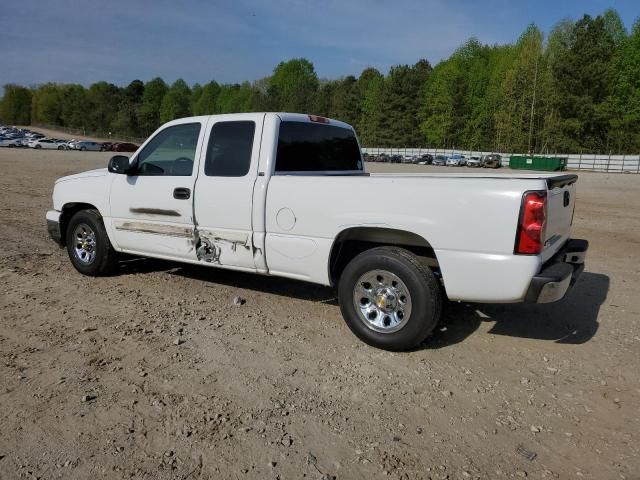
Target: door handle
x,y
181,193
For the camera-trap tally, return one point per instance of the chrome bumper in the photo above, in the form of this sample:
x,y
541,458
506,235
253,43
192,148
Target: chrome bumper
x,y
559,274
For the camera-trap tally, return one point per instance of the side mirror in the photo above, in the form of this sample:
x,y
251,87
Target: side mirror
x,y
119,164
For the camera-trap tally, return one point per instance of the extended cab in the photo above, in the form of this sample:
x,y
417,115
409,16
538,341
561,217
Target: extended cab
x,y
288,195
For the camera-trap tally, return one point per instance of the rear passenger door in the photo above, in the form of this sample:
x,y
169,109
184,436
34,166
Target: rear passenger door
x,y
223,202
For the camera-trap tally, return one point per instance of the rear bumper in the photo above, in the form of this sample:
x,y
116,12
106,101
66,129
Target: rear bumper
x,y
53,226
559,274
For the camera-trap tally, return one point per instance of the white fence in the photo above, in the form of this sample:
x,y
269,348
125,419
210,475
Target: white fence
x,y
576,161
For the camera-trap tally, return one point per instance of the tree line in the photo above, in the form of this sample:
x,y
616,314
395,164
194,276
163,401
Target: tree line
x,y
575,90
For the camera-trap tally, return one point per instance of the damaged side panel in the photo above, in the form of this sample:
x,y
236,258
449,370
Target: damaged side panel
x,y
223,247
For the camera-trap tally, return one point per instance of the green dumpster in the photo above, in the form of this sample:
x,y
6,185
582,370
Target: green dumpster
x,y
531,162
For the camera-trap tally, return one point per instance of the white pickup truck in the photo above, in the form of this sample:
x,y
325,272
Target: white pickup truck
x,y
288,195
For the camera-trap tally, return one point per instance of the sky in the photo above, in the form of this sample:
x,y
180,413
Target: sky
x,y
85,41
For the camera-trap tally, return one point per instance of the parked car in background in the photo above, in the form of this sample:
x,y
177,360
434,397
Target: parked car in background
x,y
395,159
383,157
439,160
88,145
474,161
492,160
456,160
71,144
46,144
106,146
426,159
124,147
11,142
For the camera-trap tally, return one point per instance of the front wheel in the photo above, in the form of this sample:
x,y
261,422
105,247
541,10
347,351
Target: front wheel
x,y
389,298
88,245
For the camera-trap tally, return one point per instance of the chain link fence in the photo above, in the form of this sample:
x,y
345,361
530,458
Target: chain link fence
x,y
576,161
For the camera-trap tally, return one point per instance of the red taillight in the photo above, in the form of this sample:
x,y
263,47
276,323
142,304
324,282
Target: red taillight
x,y
318,119
530,239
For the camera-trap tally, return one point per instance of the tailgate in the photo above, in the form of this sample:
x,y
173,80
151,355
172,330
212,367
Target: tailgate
x,y
561,199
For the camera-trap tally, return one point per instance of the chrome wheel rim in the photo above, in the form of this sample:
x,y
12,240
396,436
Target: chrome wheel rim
x,y
84,245
382,301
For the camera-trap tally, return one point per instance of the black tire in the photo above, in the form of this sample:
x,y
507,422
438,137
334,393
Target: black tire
x,y
60,147
105,259
82,149
424,292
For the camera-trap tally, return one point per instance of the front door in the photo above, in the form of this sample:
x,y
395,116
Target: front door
x,y
152,209
224,190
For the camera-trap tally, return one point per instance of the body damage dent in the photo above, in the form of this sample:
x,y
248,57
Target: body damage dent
x,y
207,244
155,229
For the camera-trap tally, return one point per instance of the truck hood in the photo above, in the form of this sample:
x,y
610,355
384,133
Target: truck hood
x,y
98,172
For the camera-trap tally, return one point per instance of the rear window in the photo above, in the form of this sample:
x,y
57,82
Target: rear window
x,y
311,147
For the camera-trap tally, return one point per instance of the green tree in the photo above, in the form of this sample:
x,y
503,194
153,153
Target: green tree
x,y
149,110
623,104
401,92
345,101
196,92
370,90
518,120
103,100
237,98
177,102
443,109
614,26
323,97
74,106
582,86
293,86
207,101
15,106
126,120
46,105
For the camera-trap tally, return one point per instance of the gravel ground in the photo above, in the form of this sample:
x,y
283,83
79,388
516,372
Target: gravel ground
x,y
156,374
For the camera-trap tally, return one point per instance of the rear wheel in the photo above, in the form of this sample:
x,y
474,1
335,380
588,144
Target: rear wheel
x,y
88,245
82,149
389,298
60,147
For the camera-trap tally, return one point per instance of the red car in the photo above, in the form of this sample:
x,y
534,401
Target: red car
x,y
124,147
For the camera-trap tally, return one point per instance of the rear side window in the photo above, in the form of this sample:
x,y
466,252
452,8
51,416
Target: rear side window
x,y
311,147
229,152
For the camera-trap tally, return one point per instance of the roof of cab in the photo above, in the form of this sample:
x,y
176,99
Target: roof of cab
x,y
284,116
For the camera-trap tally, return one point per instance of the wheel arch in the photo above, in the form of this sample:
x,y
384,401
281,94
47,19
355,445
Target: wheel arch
x,y
354,240
69,210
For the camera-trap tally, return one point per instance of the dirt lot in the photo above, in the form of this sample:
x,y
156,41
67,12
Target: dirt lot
x,y
155,374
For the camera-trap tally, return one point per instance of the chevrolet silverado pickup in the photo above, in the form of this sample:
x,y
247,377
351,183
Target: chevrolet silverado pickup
x,y
288,195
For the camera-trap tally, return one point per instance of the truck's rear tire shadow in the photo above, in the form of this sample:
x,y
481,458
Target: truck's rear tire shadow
x,y
572,320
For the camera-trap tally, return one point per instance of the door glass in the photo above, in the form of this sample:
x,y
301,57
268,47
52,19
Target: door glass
x,y
229,151
171,152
